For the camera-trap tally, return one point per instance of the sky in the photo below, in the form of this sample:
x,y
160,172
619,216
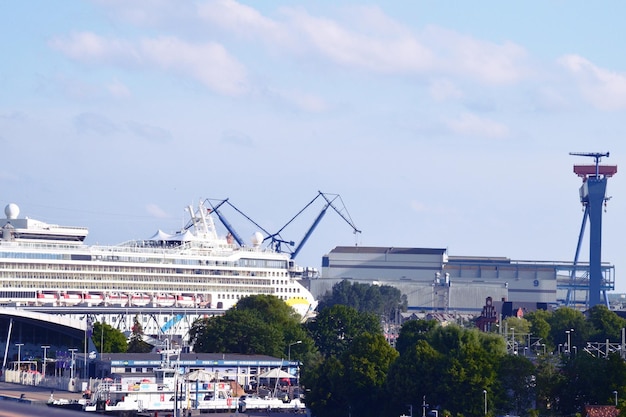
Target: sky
x,y
432,124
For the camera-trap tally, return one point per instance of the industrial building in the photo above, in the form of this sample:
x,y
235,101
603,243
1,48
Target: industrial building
x,y
432,280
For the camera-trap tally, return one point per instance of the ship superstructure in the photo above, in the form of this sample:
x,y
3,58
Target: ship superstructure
x,y
44,264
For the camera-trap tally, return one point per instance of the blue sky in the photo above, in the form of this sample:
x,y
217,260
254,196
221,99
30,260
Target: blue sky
x,y
440,124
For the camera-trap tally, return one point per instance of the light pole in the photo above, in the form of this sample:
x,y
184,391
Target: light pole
x,y
569,340
513,340
289,349
485,394
615,393
73,351
43,367
19,355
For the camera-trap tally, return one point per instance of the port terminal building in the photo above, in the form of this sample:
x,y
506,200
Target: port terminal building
x,y
433,281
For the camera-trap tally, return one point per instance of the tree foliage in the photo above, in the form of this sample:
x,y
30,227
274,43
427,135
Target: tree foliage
x,y
335,328
381,300
108,339
259,324
237,331
136,343
350,369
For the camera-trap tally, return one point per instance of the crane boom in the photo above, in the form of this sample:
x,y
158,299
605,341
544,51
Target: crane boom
x,y
329,203
225,222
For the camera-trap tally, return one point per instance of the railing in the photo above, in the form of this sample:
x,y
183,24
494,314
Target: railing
x,y
35,378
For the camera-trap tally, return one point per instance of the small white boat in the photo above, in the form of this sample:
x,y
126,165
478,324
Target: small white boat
x,y
139,300
70,299
93,299
185,300
115,299
252,402
46,298
164,300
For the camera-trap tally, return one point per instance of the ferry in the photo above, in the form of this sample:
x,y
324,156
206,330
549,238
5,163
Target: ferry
x,y
166,389
46,264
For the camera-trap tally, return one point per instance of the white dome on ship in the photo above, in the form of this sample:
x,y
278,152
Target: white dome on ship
x,y
12,211
257,238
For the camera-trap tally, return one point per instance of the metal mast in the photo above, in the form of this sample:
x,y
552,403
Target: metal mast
x,y
593,197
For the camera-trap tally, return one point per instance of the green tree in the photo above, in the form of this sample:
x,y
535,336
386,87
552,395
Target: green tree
x,y
549,379
412,377
327,392
516,384
447,360
259,324
237,331
564,320
108,339
606,324
366,363
335,328
353,383
412,332
381,300
540,328
136,343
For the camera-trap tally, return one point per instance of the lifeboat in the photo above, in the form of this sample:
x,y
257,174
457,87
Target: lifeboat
x,y
185,300
70,299
115,299
139,300
46,298
93,299
164,300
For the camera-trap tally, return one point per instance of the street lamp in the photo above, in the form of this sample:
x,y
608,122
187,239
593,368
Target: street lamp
x,y
43,367
485,394
513,340
569,340
289,349
615,393
19,355
73,351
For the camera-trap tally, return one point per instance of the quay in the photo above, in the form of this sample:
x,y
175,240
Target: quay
x,y
18,400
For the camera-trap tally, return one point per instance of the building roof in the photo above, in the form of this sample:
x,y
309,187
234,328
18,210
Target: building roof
x,y
601,411
190,359
388,249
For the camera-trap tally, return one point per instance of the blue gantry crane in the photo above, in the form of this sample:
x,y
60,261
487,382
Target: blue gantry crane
x,y
276,240
593,198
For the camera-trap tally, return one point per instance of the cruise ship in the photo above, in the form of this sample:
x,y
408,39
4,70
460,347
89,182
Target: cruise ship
x,y
43,264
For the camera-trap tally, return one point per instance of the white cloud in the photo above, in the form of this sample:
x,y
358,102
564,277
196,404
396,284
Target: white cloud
x,y
149,12
389,53
472,125
208,63
444,89
606,90
304,101
489,62
239,18
94,49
